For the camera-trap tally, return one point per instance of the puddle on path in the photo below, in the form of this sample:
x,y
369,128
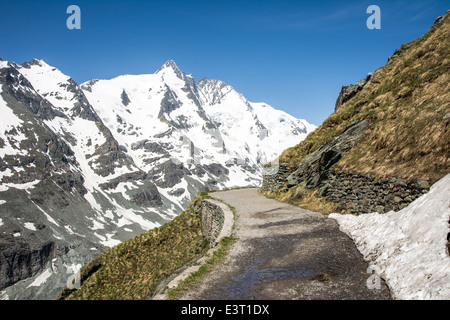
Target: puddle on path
x,y
247,285
257,272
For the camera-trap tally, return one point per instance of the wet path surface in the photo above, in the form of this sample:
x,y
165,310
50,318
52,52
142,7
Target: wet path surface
x,y
285,252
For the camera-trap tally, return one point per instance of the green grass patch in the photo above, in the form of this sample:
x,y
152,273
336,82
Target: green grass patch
x,y
133,269
217,257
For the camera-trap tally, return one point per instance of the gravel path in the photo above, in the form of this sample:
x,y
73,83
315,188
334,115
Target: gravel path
x,y
285,252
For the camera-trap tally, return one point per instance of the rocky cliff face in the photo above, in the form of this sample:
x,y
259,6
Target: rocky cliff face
x,y
85,167
313,171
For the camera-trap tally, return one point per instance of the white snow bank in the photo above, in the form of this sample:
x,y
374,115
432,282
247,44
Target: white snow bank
x,y
408,246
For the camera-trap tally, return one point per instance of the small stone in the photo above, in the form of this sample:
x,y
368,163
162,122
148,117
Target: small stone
x,y
423,184
401,183
379,209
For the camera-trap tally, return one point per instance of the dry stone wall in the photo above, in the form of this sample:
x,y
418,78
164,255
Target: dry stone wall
x,y
217,221
357,193
275,181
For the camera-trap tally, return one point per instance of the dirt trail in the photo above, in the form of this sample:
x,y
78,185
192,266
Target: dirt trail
x,y
285,252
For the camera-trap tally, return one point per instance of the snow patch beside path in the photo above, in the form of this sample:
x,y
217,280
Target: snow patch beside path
x,y
408,246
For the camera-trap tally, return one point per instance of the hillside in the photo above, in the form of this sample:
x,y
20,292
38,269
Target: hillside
x,y
389,134
134,268
407,104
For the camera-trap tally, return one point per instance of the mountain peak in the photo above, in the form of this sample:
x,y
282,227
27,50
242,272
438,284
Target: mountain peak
x,y
34,62
169,64
170,67
212,84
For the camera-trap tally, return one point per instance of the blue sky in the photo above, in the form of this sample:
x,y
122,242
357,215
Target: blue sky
x,y
293,55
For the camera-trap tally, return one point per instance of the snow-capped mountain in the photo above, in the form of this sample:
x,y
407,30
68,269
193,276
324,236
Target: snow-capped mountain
x,y
84,167
206,123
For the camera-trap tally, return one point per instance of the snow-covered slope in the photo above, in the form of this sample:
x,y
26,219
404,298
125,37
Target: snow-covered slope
x,y
408,247
84,167
254,128
99,159
67,189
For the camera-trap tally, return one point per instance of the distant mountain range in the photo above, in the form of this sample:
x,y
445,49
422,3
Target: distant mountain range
x,y
85,167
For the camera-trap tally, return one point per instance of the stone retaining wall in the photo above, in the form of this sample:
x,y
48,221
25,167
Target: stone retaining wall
x,y
359,193
217,221
275,181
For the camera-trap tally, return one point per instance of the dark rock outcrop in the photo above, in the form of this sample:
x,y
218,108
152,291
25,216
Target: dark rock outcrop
x,y
313,171
146,196
20,260
440,18
348,92
168,174
216,169
125,99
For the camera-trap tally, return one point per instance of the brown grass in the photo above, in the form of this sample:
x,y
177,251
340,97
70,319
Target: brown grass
x,y
312,201
309,200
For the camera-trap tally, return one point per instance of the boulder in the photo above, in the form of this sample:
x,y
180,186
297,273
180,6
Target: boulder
x,y
313,171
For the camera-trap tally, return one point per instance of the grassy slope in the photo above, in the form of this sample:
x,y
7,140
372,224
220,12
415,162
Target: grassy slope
x,y
133,269
405,104
309,200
